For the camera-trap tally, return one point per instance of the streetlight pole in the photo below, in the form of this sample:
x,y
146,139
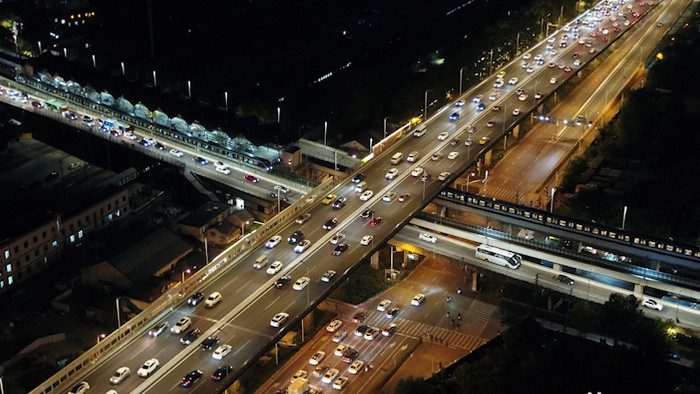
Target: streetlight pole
x,y
469,176
491,63
39,42
119,322
226,101
385,118
391,260
551,203
123,69
189,89
425,105
155,81
325,132
246,223
461,79
278,114
187,271
517,43
624,216
94,63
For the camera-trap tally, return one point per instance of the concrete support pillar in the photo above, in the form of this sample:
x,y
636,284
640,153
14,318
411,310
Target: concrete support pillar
x,y
475,281
516,131
638,289
487,158
557,267
443,211
374,260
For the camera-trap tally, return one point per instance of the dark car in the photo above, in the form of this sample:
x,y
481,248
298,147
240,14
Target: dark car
x,y
191,336
52,175
391,313
350,355
200,160
359,178
564,279
340,249
158,329
37,104
191,378
159,146
367,213
454,142
339,203
359,317
209,343
221,373
296,237
361,330
282,280
330,224
196,298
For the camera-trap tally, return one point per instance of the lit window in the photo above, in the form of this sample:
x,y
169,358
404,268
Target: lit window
x,y
72,238
54,243
80,234
10,280
2,284
7,254
8,268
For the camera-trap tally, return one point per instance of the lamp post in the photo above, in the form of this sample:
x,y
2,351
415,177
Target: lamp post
x,y
278,114
189,89
391,262
624,216
325,133
226,101
247,223
308,298
119,320
39,42
551,203
155,80
101,337
461,79
123,69
187,271
385,118
94,64
491,62
469,176
425,105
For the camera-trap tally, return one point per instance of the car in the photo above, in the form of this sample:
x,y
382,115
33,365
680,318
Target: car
x,y
339,336
79,388
330,224
564,279
281,189
460,103
513,81
427,237
37,104
296,237
339,203
176,153
392,313
181,325
567,69
300,374
200,160
191,378
480,107
553,80
130,136
371,334
301,283
367,213
209,343
516,112
436,156
321,369
498,84
340,350
477,99
301,246
454,142
273,241
389,196
221,352
158,329
444,175
366,240
119,375
195,298
341,248
70,115
337,238
221,372
389,330
519,92
350,355
418,171
404,197
383,305
366,195
160,146
213,300
116,133
392,173
538,96
356,367
576,63
334,325
359,317
375,221
496,108
592,50
530,70
190,336
340,383
148,367
454,116
329,199
453,155
358,178
412,157
303,218
443,136
418,299
523,97
279,319
330,375
361,330
501,74
652,304
328,275
251,178
317,357
279,283
483,140
424,177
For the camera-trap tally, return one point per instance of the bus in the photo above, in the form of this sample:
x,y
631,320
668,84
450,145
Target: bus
x,y
56,106
111,124
498,256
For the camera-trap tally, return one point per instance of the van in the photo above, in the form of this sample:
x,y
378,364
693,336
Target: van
x,y
360,187
396,159
420,131
260,262
413,156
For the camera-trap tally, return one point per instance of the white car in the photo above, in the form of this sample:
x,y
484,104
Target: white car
x,y
527,56
301,246
334,325
80,388
417,172
427,237
366,240
223,170
392,173
366,195
119,375
453,155
389,196
148,367
222,351
274,268
327,276
130,136
653,304
418,299
459,103
523,97
317,357
444,175
516,112
176,152
356,367
181,325
339,336
553,80
213,300
301,283
384,305
498,84
272,242
279,319
513,81
330,375
443,136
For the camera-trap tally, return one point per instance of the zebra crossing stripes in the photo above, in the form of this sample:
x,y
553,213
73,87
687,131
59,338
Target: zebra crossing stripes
x,y
476,317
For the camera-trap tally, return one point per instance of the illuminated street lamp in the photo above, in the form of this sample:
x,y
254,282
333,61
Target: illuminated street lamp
x,y
187,271
101,337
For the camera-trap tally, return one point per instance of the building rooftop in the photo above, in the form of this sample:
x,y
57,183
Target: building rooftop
x,y
204,214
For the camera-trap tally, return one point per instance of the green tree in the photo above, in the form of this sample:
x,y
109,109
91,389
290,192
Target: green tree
x,y
620,316
582,316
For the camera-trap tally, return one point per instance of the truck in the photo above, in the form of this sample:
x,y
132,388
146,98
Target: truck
x,y
299,386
